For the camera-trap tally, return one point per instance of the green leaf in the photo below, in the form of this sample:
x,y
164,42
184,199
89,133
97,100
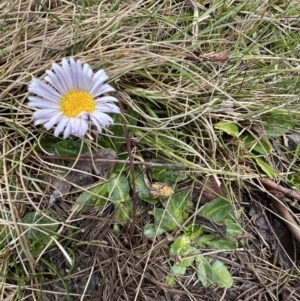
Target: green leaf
x,y
38,230
47,145
170,280
121,167
259,145
232,228
118,139
295,180
204,270
237,214
150,200
228,127
118,188
190,251
140,186
179,268
266,168
164,220
277,126
222,243
69,148
104,143
217,210
180,243
151,112
221,275
37,225
178,205
187,262
174,215
95,196
168,175
297,151
150,231
132,116
123,212
205,239
193,231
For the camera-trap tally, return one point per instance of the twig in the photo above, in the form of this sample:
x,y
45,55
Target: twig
x,y
281,209
287,218
286,191
134,192
149,164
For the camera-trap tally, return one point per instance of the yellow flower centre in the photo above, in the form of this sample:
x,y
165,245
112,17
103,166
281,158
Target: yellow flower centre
x,y
75,102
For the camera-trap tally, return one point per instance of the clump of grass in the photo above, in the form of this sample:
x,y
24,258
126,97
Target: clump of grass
x,y
180,68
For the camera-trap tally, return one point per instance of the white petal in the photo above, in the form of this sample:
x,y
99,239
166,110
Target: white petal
x,y
105,99
45,113
100,76
76,127
83,127
99,88
41,103
61,75
41,121
107,108
73,122
60,126
43,106
86,77
68,74
42,89
68,129
97,124
55,119
55,82
75,72
71,127
78,74
97,81
103,119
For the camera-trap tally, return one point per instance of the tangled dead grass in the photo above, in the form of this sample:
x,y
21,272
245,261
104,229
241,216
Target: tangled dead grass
x,y
181,66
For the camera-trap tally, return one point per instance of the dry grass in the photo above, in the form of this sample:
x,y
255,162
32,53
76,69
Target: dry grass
x,y
182,67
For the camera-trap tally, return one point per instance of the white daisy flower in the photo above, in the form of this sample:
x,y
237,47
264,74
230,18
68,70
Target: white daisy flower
x,y
71,99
